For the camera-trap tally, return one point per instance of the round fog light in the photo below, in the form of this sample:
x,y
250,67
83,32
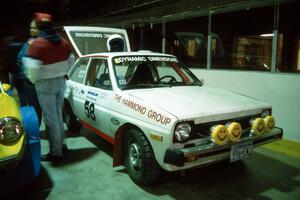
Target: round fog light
x,y
270,123
257,126
234,131
219,134
192,158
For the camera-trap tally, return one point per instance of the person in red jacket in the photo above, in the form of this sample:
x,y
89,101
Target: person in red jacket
x,y
46,63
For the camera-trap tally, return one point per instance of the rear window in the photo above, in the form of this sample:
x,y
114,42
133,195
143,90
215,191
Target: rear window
x,y
89,42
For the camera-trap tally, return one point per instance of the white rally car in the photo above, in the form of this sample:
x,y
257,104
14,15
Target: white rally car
x,y
155,111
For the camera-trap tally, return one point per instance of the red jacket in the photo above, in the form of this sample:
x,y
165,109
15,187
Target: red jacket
x,y
48,51
47,57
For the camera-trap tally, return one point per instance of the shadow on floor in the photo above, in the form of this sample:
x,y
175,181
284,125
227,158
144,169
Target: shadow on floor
x,y
76,155
254,178
102,144
43,134
263,176
39,189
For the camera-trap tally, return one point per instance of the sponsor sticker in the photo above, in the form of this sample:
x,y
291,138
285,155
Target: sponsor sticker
x,y
121,80
91,35
159,58
151,114
93,93
129,58
144,59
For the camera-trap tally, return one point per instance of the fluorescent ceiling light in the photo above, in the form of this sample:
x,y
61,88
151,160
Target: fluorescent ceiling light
x,y
267,35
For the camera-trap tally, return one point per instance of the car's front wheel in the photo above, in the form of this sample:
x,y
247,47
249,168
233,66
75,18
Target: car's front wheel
x,y
139,158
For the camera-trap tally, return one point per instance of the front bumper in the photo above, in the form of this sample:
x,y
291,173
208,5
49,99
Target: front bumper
x,y
210,152
10,162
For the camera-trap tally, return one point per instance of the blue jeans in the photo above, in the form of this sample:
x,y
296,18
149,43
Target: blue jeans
x,y
51,97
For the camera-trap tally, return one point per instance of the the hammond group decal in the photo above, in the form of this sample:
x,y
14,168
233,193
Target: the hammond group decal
x,y
143,110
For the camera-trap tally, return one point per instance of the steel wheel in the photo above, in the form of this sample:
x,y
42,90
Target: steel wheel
x,y
139,158
135,156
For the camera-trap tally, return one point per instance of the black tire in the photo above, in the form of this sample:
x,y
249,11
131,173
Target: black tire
x,y
139,159
70,119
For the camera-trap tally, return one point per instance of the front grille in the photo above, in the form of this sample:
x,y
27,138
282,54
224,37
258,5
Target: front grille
x,y
203,130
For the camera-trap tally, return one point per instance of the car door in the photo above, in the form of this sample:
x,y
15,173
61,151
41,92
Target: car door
x,y
98,96
88,40
91,100
76,90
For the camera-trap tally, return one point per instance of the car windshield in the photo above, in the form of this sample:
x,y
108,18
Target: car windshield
x,y
152,71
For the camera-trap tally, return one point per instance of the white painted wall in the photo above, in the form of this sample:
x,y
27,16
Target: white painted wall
x,y
281,90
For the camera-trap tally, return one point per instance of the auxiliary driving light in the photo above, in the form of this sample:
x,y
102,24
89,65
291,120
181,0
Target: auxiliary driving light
x,y
192,158
269,123
219,134
234,131
257,126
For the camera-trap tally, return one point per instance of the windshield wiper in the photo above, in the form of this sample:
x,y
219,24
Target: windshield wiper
x,y
199,83
146,86
163,85
137,86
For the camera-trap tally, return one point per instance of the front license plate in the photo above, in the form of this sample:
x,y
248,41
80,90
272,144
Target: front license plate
x,y
240,151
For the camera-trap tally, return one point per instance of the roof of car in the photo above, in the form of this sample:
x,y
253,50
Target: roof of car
x,y
137,53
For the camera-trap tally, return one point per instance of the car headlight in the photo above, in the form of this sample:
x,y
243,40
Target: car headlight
x,y
182,132
11,130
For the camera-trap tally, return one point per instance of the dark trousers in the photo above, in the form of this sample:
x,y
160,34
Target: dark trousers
x,y
28,97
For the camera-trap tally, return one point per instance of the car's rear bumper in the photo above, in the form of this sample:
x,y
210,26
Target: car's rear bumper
x,y
208,153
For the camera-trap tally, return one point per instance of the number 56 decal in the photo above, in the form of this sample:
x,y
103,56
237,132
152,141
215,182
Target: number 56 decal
x,y
90,110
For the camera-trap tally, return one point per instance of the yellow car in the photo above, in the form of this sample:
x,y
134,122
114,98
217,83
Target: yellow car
x,y
12,133
19,142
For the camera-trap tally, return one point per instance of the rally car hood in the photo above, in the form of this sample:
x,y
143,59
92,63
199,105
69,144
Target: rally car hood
x,y
192,102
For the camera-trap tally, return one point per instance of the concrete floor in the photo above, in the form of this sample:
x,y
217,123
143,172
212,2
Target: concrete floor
x,y
88,174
